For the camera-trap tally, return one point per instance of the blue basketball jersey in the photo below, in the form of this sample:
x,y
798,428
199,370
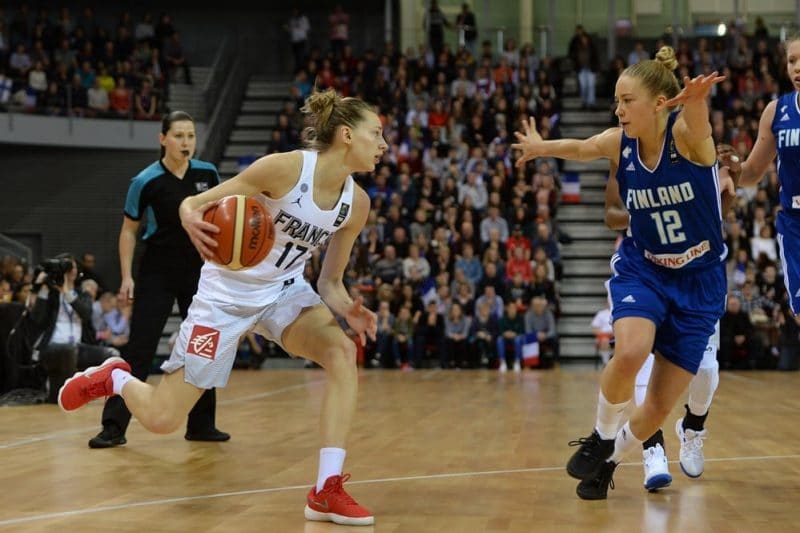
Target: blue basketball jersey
x,y
786,128
676,214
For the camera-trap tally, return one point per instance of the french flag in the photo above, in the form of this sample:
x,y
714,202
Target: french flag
x,y
427,290
570,188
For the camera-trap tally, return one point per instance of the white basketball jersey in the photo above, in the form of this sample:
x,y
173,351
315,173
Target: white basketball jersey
x,y
300,228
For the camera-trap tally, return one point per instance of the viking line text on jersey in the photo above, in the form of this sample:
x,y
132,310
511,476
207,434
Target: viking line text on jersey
x,y
297,229
659,196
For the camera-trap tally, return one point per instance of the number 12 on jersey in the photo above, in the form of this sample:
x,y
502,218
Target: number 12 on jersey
x,y
668,224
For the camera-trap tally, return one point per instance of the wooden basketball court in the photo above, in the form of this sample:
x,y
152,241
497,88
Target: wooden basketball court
x,y
431,451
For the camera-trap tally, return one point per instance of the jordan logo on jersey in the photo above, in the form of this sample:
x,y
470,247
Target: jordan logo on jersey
x,y
203,342
298,201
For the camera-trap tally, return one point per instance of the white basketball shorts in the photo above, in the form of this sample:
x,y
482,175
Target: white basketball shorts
x,y
208,338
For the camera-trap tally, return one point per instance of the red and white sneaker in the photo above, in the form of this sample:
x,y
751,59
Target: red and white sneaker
x,y
94,382
333,504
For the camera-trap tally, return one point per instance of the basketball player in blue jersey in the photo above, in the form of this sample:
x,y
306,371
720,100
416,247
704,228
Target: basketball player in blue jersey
x,y
669,285
272,298
691,427
779,133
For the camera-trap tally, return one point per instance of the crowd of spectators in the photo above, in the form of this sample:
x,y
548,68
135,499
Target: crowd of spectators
x,y
448,204
64,63
461,254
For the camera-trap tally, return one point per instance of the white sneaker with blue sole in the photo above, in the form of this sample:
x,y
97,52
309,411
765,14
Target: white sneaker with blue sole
x,y
656,468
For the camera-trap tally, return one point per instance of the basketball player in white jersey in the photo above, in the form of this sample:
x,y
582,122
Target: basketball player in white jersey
x,y
313,200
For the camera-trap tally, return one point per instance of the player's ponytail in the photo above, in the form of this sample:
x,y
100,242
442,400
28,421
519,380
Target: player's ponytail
x,y
325,111
656,75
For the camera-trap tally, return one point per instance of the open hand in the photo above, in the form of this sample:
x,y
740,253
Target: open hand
x,y
729,157
529,142
695,89
363,321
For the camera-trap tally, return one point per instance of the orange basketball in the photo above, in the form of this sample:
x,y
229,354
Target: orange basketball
x,y
246,232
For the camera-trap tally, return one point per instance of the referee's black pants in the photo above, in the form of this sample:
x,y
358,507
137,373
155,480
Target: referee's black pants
x,y
164,277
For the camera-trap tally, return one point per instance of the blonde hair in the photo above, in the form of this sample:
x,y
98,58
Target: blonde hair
x,y
325,111
656,75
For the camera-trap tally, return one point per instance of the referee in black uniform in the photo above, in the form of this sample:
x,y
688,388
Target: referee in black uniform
x,y
169,269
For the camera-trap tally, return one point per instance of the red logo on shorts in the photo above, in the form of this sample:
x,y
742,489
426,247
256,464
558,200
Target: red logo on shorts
x,y
203,342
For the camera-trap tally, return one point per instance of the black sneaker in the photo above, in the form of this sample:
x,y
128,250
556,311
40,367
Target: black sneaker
x,y
211,435
593,452
108,438
597,488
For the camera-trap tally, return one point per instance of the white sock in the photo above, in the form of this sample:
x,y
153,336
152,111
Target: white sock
x,y
643,379
609,416
605,356
702,388
624,443
331,461
120,378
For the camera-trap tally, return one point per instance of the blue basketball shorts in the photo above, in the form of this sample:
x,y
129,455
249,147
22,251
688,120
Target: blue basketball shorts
x,y
788,228
683,305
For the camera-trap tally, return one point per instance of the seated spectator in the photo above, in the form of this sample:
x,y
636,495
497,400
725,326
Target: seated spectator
x,y
120,99
492,276
540,319
739,346
106,79
403,338
482,336
428,333
518,291
469,264
98,102
456,330
603,333
145,102
511,330
389,269
464,296
19,64
37,79
53,102
519,264
383,338
77,98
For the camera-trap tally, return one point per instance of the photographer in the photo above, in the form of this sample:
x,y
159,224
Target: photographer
x,y
64,315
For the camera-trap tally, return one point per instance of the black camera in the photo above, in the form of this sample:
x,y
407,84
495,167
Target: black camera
x,y
55,269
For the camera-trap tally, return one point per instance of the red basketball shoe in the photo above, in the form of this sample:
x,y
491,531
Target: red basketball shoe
x,y
333,504
94,382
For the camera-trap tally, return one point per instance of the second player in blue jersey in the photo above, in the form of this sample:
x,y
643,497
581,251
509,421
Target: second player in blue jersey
x,y
668,284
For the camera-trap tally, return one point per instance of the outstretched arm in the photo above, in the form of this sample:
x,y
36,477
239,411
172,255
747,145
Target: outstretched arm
x,y
602,145
764,150
692,128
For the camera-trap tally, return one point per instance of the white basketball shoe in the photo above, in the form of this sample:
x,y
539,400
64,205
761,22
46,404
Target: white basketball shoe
x,y
656,468
692,460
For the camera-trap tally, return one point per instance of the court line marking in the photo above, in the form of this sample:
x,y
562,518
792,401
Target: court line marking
x,y
66,432
183,499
